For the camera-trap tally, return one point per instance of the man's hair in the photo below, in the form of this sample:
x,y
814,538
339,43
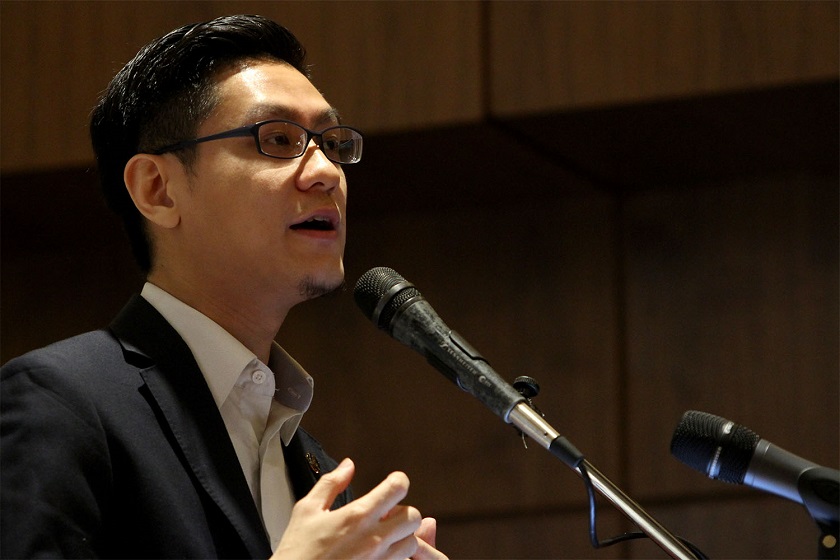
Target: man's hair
x,y
164,94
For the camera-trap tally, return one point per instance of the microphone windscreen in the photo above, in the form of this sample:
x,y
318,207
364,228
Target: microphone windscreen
x,y
380,292
372,285
714,446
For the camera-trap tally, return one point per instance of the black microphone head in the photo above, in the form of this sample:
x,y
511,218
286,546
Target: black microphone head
x,y
380,292
714,446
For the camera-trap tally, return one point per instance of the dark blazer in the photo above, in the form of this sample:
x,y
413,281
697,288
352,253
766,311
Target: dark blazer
x,y
112,446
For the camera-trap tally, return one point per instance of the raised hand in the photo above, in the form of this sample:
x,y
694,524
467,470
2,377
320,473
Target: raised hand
x,y
373,526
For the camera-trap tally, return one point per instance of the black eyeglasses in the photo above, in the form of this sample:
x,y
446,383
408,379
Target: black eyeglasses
x,y
288,140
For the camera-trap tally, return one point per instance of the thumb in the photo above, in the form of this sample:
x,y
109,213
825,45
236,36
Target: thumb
x,y
327,489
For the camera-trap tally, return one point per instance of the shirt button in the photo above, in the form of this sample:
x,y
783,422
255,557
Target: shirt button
x,y
258,377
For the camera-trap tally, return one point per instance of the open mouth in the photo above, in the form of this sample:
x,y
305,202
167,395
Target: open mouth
x,y
316,223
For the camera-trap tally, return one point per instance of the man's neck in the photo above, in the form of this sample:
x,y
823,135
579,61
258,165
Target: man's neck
x,y
253,323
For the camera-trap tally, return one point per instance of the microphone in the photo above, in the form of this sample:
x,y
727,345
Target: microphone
x,y
397,307
724,450
394,305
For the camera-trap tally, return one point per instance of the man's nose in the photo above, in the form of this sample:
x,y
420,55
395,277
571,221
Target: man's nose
x,y
317,171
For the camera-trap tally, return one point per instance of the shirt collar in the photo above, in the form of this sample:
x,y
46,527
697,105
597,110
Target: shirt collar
x,y
222,358
294,389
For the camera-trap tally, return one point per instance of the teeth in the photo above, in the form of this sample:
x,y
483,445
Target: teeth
x,y
315,222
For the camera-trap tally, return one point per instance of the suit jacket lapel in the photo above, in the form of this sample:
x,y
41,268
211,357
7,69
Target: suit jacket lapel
x,y
180,391
306,462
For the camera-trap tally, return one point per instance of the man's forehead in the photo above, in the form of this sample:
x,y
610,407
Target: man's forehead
x,y
273,90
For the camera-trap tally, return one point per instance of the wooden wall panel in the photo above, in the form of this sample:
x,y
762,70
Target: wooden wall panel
x,y
535,534
756,527
393,66
387,65
384,65
732,299
560,55
57,57
66,268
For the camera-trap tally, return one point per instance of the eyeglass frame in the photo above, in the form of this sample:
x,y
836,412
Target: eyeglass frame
x,y
253,130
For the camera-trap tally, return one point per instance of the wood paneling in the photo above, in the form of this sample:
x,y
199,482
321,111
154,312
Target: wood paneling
x,y
693,139
66,263
559,55
748,526
402,65
57,57
396,65
536,534
384,65
732,299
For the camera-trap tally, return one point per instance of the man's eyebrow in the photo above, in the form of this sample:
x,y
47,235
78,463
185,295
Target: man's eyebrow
x,y
257,113
330,115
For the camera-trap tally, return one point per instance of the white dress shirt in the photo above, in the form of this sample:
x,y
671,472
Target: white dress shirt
x,y
260,404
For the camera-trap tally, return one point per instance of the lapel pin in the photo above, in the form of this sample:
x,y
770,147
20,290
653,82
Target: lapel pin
x,y
314,465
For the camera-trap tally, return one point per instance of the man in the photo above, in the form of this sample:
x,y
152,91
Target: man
x,y
174,432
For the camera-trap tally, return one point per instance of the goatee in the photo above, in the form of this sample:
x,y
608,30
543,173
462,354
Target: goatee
x,y
310,288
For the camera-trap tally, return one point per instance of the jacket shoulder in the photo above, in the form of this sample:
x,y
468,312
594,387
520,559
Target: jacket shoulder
x,y
88,352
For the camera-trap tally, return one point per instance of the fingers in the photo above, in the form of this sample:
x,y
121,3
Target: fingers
x,y
426,537
402,520
391,524
396,531
402,549
427,531
327,489
374,526
386,495
425,551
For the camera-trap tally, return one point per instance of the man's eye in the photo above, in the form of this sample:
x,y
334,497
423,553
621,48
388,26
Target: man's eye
x,y
277,139
331,143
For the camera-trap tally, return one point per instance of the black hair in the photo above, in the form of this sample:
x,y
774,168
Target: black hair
x,y
164,94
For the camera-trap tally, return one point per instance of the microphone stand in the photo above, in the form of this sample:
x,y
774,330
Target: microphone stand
x,y
818,488
532,424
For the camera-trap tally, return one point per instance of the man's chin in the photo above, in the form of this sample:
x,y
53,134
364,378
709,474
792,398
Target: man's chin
x,y
311,288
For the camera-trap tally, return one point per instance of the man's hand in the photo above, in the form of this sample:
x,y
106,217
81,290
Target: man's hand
x,y
373,526
426,536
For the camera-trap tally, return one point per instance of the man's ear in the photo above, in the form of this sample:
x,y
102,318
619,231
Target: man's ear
x,y
147,178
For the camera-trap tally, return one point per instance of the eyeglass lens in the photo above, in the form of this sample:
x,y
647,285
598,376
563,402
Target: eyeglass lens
x,y
288,140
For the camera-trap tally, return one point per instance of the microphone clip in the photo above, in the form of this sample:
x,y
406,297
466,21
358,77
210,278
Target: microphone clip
x,y
528,388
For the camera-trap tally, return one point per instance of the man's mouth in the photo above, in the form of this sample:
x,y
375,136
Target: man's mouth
x,y
315,223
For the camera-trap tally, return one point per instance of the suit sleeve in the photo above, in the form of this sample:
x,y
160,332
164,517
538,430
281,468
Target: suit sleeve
x,y
54,464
